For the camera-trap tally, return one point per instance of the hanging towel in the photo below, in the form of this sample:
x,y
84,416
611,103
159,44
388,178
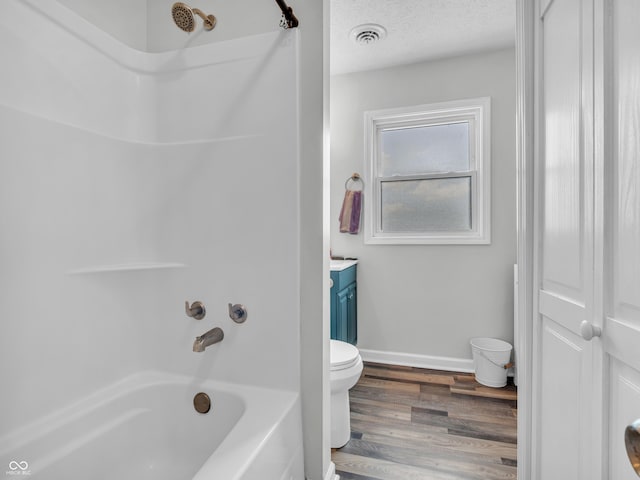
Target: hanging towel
x,y
354,224
350,212
345,211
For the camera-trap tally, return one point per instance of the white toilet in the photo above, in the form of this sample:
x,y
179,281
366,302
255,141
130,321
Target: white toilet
x,y
346,367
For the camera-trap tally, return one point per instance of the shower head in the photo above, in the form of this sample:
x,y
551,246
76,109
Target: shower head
x,y
183,16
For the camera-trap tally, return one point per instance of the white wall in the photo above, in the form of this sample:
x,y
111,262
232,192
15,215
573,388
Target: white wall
x,y
125,20
421,299
314,233
147,25
234,20
87,210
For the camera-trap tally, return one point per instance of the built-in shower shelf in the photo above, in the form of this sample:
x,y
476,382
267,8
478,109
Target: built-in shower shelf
x,y
125,267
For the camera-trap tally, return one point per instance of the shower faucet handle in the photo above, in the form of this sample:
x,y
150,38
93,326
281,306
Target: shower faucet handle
x,y
196,310
238,313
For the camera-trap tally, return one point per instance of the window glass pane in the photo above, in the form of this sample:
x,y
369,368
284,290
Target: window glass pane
x,y
426,149
435,204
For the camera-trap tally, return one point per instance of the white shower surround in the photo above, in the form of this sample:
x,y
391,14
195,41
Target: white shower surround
x,y
129,183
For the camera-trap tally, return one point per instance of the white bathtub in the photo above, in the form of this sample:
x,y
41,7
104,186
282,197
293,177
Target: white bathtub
x,y
146,428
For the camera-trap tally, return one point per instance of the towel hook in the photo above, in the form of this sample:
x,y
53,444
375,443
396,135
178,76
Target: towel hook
x,y
353,178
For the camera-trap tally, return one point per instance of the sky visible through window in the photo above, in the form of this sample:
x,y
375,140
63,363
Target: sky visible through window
x,y
424,149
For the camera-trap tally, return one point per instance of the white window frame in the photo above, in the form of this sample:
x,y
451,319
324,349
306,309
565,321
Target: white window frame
x,y
477,112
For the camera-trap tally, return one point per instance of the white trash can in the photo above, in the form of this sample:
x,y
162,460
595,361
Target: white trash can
x,y
491,360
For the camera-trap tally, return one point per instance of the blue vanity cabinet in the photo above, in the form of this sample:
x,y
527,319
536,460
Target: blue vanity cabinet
x,y
344,305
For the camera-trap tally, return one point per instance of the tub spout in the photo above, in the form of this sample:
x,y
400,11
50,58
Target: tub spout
x,y
215,335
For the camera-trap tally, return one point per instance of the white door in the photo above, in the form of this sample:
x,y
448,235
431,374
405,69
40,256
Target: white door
x,y
586,372
564,377
621,332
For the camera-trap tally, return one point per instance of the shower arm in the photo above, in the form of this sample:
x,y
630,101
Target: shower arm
x,y
201,14
287,12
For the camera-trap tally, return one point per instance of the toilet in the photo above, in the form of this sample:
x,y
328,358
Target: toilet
x,y
346,367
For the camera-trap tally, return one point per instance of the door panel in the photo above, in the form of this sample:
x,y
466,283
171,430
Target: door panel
x,y
624,409
563,401
342,315
563,239
352,315
622,327
626,139
564,368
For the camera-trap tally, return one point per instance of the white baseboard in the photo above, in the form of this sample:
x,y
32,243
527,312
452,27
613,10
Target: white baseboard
x,y
331,472
420,361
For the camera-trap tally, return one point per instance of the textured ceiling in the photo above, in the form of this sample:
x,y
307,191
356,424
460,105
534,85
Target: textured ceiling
x,y
418,30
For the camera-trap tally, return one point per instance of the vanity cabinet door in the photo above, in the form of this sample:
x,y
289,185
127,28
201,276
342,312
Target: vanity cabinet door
x,y
344,305
352,314
342,314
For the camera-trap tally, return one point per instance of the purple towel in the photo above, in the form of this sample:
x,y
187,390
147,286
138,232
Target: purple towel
x,y
345,212
356,203
350,212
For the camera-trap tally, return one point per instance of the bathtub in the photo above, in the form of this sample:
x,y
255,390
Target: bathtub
x,y
146,428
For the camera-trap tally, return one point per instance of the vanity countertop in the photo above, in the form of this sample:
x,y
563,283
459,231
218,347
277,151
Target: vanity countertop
x,y
339,265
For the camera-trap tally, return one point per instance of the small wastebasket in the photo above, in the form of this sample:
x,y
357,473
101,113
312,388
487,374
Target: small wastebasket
x,y
491,360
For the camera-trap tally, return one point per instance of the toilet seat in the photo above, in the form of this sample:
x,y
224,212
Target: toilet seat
x,y
343,355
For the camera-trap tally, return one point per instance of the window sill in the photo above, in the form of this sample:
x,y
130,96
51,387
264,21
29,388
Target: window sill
x,y
430,240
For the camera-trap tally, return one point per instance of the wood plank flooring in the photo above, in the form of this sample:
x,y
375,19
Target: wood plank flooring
x,y
417,424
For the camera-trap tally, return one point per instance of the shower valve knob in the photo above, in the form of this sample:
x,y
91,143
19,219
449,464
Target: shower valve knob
x,y
238,313
196,310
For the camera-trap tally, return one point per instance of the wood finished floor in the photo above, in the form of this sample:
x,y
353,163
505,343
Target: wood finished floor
x,y
417,424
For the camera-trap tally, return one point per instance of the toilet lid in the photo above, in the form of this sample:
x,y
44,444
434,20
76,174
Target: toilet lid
x,y
343,355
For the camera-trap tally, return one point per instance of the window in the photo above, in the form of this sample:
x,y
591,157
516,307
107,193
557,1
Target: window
x,y
428,174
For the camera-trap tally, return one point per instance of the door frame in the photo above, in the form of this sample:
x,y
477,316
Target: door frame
x,y
525,148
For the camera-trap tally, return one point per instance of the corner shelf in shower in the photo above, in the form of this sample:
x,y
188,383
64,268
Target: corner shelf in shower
x,y
125,267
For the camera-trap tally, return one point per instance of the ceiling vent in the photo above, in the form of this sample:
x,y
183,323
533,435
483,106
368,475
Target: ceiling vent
x,y
368,33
